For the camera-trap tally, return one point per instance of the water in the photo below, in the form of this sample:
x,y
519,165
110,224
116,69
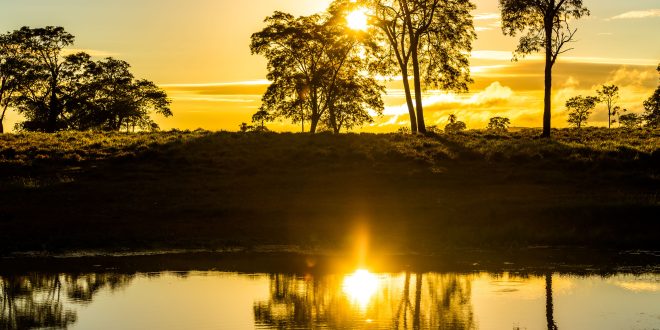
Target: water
x,y
357,299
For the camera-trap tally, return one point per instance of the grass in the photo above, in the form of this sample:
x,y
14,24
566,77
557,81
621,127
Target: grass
x,y
409,194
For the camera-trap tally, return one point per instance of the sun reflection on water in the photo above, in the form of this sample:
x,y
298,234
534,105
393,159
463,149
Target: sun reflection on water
x,y
360,287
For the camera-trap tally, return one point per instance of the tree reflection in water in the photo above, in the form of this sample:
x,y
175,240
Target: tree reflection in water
x,y
36,300
406,301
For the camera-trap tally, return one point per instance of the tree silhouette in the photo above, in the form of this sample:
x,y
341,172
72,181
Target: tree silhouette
x,y
454,125
499,124
428,40
316,67
652,107
108,97
631,120
43,47
12,78
580,108
544,26
56,92
609,94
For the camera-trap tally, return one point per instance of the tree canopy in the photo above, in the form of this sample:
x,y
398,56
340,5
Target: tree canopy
x,y
428,41
652,107
54,91
318,70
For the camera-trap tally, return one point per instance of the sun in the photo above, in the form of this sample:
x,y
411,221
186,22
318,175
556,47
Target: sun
x,y
357,19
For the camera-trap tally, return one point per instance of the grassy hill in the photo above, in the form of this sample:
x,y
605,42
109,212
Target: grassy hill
x,y
267,191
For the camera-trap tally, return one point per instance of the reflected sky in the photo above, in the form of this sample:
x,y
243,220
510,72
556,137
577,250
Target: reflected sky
x,y
358,300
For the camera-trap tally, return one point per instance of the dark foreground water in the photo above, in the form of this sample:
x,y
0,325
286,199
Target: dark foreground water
x,y
359,299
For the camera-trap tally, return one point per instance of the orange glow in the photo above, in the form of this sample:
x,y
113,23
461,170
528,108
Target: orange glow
x,y
360,287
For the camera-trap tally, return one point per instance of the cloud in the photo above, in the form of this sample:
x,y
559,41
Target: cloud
x,y
249,87
487,21
92,52
637,14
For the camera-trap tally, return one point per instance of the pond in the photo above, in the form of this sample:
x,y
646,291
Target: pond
x,y
120,297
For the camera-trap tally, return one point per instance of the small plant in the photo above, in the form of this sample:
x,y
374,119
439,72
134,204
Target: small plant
x,y
579,109
499,124
454,125
244,127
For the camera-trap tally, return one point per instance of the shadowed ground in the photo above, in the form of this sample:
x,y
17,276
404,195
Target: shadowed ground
x,y
408,194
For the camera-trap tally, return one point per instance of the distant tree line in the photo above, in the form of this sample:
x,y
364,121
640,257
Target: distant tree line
x,y
54,91
580,108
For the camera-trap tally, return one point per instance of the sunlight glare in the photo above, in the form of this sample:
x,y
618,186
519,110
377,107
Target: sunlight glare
x,y
357,19
360,287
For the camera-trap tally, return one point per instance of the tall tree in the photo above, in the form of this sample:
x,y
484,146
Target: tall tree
x,y
652,107
12,74
429,41
316,71
43,47
609,94
544,25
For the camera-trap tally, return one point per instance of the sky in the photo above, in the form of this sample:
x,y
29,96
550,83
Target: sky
x,y
198,51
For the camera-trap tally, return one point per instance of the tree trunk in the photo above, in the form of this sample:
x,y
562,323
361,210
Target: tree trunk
x,y
53,111
314,125
409,101
421,126
549,303
2,126
547,104
418,301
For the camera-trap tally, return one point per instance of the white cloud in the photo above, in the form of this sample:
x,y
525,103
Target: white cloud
x,y
638,14
487,21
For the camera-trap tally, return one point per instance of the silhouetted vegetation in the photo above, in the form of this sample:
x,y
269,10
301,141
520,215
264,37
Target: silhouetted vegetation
x,y
544,26
427,42
454,125
54,91
609,94
652,107
317,68
579,109
499,124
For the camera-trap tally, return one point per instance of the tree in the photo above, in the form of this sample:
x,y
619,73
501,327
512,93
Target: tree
x,y
74,92
544,26
43,47
429,41
580,108
609,94
12,69
108,97
652,107
261,117
454,125
631,120
317,70
499,124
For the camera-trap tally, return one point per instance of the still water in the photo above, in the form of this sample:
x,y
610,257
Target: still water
x,y
355,300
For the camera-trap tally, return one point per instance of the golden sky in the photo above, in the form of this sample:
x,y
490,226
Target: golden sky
x,y
198,50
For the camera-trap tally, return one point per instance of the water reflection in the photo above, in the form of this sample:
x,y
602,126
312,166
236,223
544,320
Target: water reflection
x,y
38,300
359,300
403,301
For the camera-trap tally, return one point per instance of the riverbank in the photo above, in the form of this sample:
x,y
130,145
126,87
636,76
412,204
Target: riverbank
x,y
392,193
